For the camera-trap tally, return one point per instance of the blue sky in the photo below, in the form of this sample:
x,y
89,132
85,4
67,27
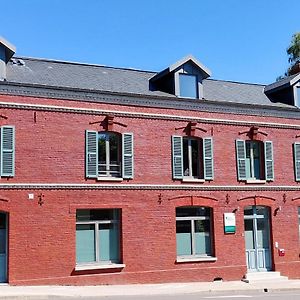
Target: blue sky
x,y
239,40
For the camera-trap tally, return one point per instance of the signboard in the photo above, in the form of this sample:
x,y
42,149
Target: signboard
x,y
229,223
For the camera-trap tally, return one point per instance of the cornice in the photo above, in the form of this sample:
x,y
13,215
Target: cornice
x,y
73,186
128,114
16,89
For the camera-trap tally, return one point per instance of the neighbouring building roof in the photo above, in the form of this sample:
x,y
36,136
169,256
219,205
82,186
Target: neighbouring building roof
x,y
61,74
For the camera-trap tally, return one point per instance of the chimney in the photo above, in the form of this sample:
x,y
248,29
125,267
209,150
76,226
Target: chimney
x,y
7,50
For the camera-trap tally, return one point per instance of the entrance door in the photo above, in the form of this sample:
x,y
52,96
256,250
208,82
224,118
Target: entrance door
x,y
3,247
257,238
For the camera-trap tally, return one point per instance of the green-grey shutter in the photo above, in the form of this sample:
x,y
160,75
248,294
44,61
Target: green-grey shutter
x,y
177,159
91,154
269,162
241,159
7,151
208,162
297,160
127,157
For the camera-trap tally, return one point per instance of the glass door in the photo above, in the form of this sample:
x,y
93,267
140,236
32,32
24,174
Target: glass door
x,y
257,238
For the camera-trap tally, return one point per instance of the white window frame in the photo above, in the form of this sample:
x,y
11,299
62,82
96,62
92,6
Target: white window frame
x,y
252,169
190,158
296,94
192,219
108,165
95,223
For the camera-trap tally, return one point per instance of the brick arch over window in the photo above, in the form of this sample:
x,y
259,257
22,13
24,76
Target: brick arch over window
x,y
258,200
192,200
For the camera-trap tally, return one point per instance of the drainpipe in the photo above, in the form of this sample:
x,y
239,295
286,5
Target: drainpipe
x,y
7,50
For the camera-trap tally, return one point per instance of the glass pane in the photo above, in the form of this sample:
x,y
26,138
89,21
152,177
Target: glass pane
x,y
85,243
262,211
298,97
109,242
263,234
97,215
2,233
193,211
195,158
202,237
188,86
248,211
186,171
183,238
249,236
114,148
102,148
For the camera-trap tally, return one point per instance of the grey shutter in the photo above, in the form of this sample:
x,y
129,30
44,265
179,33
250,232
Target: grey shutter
x,y
269,162
177,157
127,157
91,154
7,151
241,159
297,160
208,162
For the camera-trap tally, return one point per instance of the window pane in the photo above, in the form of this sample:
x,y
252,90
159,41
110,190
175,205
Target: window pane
x,y
183,238
193,211
249,237
186,171
102,148
97,215
202,237
188,86
195,158
2,233
85,243
297,102
114,148
109,242
263,234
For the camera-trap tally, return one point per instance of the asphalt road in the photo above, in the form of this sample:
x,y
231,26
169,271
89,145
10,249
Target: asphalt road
x,y
292,295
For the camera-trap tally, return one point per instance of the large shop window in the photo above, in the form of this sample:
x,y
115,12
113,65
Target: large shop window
x,y
98,236
193,232
192,158
109,155
255,160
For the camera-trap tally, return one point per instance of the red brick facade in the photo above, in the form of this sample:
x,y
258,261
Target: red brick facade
x,y
50,163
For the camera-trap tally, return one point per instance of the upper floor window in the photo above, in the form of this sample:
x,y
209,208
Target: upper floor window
x,y
297,160
109,155
192,158
297,102
7,151
188,86
255,160
193,232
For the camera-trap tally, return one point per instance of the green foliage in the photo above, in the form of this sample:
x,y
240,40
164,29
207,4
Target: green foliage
x,y
293,50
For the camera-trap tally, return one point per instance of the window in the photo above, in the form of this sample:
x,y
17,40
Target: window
x,y
188,86
98,236
297,160
299,220
193,232
192,158
109,155
7,159
255,160
297,100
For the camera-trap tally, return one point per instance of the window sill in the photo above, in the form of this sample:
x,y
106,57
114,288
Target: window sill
x,y
196,259
193,180
116,179
256,181
86,267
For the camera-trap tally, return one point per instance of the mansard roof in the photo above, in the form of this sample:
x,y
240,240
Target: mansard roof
x,y
97,78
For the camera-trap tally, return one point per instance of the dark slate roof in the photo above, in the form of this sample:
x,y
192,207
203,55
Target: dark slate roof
x,y
109,79
281,83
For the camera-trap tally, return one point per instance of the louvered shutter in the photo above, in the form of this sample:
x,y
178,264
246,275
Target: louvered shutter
x,y
241,159
177,159
127,158
208,162
7,151
91,154
297,160
269,162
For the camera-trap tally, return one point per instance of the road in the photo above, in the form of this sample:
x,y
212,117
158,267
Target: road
x,y
292,295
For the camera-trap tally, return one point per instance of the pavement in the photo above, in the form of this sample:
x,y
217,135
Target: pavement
x,y
50,292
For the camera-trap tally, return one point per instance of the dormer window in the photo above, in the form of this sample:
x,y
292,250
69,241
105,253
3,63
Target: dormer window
x,y
297,96
188,86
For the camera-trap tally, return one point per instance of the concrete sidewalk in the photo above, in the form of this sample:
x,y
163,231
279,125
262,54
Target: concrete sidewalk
x,y
46,292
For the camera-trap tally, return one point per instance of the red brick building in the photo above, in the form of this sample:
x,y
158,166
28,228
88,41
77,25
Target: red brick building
x,y
114,176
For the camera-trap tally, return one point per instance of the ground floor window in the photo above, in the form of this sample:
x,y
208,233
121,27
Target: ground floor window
x,y
193,232
98,236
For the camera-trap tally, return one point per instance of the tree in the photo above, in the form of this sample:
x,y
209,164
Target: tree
x,y
293,50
